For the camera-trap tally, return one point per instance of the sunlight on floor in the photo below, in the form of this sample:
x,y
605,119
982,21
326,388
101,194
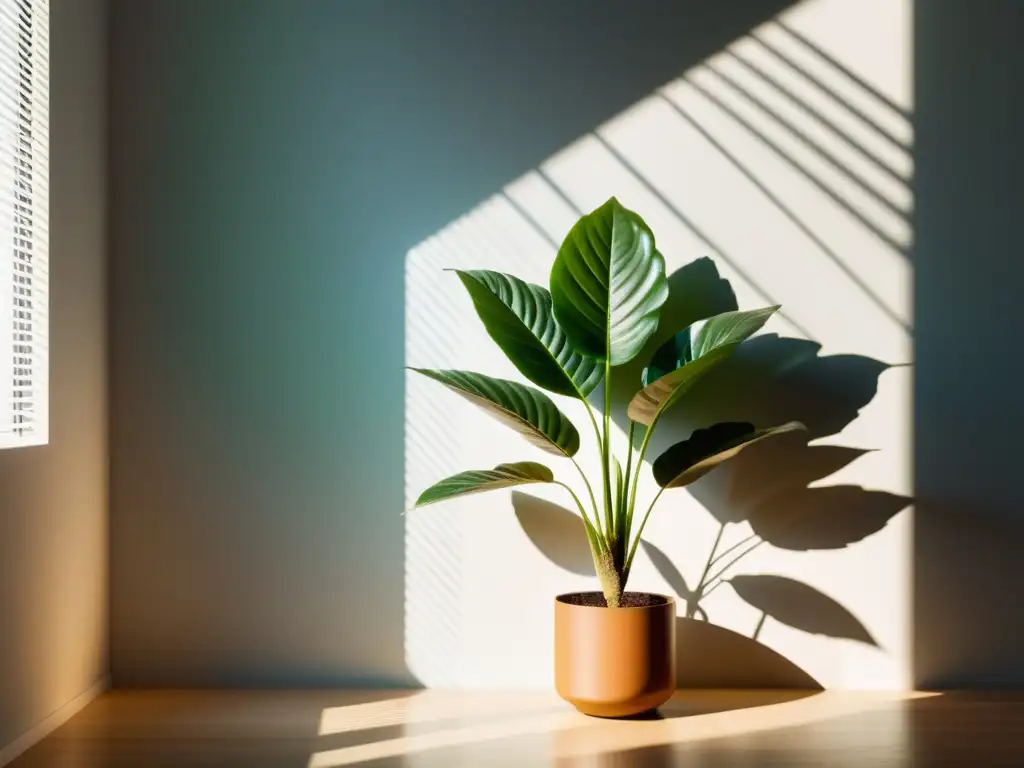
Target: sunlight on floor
x,y
547,731
787,159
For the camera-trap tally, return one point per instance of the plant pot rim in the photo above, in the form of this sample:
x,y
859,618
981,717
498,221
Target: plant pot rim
x,y
669,601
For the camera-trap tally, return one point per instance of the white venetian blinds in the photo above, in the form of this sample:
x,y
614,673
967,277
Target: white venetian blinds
x,y
24,220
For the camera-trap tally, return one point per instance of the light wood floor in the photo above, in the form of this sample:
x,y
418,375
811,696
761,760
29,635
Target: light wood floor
x,y
430,729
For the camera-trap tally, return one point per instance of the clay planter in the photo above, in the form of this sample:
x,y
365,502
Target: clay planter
x,y
614,662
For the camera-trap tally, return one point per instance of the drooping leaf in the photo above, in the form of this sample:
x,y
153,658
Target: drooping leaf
x,y
518,316
703,336
479,480
800,606
830,517
663,392
668,570
691,459
608,284
528,411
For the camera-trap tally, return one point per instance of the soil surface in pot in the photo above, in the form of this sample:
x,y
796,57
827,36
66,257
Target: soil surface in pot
x,y
628,599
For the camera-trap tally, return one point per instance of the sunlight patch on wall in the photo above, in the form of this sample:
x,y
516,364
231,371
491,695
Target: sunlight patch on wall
x,y
786,158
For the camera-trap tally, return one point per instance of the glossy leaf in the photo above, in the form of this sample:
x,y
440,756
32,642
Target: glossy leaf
x,y
666,390
518,316
685,358
608,284
479,480
800,606
702,337
528,411
705,449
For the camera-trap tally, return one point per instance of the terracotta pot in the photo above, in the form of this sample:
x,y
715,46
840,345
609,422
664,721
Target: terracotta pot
x,y
615,662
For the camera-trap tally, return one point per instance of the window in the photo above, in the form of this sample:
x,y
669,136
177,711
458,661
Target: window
x,y
24,221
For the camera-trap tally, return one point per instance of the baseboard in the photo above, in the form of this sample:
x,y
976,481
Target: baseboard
x,y
54,721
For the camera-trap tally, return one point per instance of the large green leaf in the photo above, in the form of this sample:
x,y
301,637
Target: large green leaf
x,y
704,336
518,316
528,411
684,359
608,284
478,480
691,459
664,391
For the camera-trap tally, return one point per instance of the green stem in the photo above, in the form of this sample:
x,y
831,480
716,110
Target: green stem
x,y
592,534
734,547
593,420
623,510
590,490
640,530
600,452
607,449
636,477
707,566
735,560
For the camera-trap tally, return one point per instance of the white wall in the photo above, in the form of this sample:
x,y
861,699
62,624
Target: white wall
x,y
53,498
272,165
817,220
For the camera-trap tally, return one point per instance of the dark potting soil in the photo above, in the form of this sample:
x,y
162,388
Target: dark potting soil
x,y
628,599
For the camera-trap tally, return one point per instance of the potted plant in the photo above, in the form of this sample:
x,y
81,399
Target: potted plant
x,y
614,650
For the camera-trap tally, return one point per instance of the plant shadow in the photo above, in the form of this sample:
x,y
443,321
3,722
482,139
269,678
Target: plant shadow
x,y
769,487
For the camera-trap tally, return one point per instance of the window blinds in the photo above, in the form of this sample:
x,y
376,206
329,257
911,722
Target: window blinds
x,y
24,221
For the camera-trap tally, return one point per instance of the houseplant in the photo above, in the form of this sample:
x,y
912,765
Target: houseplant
x,y
614,650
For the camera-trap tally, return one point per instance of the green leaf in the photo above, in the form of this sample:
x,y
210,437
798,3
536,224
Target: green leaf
x,y
684,359
528,411
666,390
691,459
704,336
518,316
479,480
608,284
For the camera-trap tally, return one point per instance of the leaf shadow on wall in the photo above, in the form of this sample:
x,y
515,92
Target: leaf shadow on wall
x,y
770,380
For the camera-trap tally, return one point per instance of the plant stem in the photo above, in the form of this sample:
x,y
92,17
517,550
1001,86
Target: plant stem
x,y
607,446
621,502
707,566
592,534
636,477
734,547
640,530
590,490
600,453
735,560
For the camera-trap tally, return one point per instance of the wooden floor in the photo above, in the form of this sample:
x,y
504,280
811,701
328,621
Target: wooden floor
x,y
429,729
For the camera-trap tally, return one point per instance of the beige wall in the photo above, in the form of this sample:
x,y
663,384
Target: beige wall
x,y
53,499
